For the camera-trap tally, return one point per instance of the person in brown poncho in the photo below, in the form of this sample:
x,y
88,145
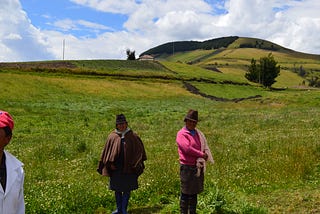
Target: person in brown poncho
x,y
122,160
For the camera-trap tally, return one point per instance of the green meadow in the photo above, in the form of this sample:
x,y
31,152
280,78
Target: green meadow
x,y
266,149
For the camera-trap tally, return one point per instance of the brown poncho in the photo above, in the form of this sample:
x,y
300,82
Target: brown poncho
x,y
134,154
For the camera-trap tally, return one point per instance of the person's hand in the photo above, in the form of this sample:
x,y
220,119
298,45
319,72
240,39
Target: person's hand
x,y
205,156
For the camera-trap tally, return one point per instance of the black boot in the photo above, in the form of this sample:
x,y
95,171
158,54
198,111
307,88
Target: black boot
x,y
184,202
193,204
125,202
118,196
183,206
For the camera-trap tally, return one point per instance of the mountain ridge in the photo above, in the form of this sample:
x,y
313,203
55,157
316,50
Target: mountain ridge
x,y
231,42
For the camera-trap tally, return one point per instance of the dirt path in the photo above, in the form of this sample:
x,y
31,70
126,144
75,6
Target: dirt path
x,y
191,88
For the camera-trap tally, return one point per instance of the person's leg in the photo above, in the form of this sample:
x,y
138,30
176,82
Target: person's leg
x,y
193,200
184,201
118,196
125,202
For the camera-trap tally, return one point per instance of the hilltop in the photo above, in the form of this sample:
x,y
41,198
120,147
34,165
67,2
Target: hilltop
x,y
218,45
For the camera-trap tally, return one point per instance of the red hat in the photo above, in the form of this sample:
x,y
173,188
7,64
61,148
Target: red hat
x,y
6,120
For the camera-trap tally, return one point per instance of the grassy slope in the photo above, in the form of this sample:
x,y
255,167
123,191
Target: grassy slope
x,y
62,122
235,62
266,150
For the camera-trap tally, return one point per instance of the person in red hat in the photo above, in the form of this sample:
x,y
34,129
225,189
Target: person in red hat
x,y
193,153
122,159
11,171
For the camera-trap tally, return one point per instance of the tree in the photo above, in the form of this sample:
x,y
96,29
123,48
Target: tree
x,y
252,74
131,55
265,72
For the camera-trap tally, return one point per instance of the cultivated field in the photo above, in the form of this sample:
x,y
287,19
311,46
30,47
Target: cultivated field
x,y
266,149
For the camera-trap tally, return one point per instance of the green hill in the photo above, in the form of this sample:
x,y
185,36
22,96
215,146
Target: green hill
x,y
232,55
217,45
181,46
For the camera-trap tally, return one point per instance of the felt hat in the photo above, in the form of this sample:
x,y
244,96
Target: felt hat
x,y
120,118
6,120
191,115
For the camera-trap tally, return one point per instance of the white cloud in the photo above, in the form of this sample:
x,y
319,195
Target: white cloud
x,y
69,24
290,23
106,46
93,25
19,40
112,6
12,36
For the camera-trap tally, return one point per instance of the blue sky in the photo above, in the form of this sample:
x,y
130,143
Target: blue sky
x,y
34,30
43,14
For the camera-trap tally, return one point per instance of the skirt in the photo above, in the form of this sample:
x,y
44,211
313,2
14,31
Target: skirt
x,y
123,182
190,183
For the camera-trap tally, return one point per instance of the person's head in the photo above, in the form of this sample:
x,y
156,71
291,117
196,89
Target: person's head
x,y
6,128
121,122
191,119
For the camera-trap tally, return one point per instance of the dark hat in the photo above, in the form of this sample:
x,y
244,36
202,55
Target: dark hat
x,y
120,118
191,115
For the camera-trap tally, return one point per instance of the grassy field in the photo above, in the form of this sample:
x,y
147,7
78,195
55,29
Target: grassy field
x,y
266,149
234,62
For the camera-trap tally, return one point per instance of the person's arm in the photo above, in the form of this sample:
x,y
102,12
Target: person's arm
x,y
21,204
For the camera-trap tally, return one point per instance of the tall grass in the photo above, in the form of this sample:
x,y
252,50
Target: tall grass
x,y
266,150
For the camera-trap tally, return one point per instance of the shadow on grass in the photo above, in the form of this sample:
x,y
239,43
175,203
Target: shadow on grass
x,y
145,210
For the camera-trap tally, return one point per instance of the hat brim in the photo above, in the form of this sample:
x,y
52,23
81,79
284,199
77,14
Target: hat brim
x,y
187,118
121,122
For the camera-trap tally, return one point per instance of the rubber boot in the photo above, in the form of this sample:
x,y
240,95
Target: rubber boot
x,y
193,204
125,202
183,206
184,202
118,196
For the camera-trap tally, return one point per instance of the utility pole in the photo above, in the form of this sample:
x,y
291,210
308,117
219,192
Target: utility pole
x,y
63,47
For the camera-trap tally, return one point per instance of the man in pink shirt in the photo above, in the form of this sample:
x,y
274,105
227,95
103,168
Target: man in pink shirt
x,y
193,153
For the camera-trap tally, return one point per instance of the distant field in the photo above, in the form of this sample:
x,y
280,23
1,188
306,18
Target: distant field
x,y
94,67
288,79
190,71
188,56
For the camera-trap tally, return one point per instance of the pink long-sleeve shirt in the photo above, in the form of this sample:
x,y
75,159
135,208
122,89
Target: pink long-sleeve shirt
x,y
189,147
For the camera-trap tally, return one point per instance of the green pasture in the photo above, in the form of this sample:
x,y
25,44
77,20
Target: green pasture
x,y
233,63
288,79
249,53
266,150
120,68
243,56
188,56
185,71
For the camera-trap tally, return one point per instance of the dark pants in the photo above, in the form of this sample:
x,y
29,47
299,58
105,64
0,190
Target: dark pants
x,y
188,203
122,201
